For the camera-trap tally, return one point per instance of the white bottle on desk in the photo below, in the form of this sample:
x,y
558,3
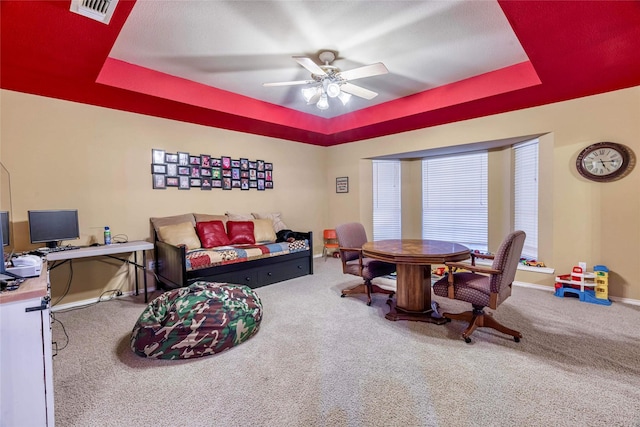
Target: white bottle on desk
x,y
107,236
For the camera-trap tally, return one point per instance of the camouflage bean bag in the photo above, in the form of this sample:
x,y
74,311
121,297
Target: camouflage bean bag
x,y
198,320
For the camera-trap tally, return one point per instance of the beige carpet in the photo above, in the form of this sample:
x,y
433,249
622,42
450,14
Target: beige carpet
x,y
322,360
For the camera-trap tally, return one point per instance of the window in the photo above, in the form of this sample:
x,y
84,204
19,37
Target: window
x,y
387,203
525,195
454,199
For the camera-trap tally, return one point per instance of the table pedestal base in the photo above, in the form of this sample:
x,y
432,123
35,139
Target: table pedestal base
x,y
397,313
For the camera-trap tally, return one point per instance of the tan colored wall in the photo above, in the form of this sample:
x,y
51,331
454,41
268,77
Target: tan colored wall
x,y
68,155
579,220
63,154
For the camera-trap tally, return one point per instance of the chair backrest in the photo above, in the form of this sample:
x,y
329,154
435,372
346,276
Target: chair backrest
x,y
330,235
506,260
351,235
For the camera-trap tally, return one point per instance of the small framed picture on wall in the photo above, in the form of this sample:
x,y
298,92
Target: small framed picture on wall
x,y
342,184
183,159
226,162
159,169
184,183
158,156
205,183
159,182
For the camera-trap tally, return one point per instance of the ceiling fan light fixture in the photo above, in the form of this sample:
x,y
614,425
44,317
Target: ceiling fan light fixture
x,y
344,97
309,92
323,102
333,90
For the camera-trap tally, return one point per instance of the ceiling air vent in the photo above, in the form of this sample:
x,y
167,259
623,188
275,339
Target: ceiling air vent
x,y
98,10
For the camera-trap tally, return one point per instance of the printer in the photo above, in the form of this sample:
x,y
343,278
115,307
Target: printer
x,y
26,266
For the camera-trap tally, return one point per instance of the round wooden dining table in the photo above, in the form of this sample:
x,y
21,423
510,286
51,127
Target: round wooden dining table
x,y
413,259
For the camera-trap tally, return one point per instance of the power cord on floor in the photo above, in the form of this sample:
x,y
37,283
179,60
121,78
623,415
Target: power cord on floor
x,y
64,330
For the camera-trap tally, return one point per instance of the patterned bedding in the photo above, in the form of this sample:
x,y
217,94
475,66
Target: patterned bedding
x,y
203,258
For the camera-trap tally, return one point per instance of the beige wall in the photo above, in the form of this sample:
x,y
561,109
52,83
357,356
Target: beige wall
x,y
579,220
67,155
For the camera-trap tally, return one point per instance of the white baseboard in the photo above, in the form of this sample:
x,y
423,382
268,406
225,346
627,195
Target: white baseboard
x,y
91,301
552,289
382,282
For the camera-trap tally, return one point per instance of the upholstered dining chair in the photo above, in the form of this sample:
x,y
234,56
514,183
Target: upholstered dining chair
x,y
351,237
483,286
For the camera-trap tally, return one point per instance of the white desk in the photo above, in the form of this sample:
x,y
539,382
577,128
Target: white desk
x,y
110,251
26,366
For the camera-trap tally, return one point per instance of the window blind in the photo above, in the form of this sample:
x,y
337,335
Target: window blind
x,y
525,195
454,199
387,204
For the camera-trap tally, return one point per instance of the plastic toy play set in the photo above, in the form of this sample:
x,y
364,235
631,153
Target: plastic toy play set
x,y
590,287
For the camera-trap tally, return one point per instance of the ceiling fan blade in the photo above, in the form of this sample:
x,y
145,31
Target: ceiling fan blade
x,y
358,91
292,83
365,71
310,65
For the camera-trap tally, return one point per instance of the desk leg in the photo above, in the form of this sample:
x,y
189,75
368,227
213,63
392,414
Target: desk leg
x,y
413,295
135,269
144,272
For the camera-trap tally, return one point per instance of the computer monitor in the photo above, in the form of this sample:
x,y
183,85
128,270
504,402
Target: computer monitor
x,y
4,228
5,236
53,226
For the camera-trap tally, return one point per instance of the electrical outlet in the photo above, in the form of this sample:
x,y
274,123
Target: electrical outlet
x,y
152,265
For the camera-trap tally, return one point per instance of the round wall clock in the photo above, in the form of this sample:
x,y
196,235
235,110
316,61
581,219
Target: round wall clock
x,y
605,161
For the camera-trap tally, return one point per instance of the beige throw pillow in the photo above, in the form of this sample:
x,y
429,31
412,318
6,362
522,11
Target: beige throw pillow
x,y
278,224
208,218
240,216
263,230
180,234
172,220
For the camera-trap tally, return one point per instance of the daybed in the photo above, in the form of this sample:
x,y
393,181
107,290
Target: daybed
x,y
231,248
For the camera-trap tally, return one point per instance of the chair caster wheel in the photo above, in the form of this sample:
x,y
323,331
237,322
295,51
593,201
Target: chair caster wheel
x,y
516,339
342,295
369,303
467,340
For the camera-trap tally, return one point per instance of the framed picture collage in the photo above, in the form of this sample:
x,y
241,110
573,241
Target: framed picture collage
x,y
205,172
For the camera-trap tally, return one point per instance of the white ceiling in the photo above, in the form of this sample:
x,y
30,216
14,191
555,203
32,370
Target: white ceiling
x,y
238,45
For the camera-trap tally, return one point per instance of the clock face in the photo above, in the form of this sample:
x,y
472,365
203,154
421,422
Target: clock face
x,y
605,161
602,161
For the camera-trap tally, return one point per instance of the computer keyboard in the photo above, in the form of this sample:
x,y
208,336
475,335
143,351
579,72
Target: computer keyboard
x,y
44,251
64,248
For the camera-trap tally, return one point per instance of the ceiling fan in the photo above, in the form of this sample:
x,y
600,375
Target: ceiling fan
x,y
329,81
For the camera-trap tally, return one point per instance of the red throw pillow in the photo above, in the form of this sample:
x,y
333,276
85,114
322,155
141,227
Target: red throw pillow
x,y
212,234
240,232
